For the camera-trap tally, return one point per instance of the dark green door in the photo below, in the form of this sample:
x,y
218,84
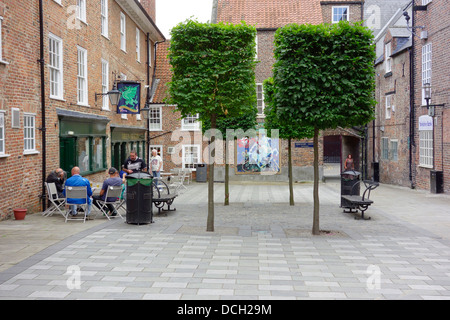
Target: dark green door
x,y
67,154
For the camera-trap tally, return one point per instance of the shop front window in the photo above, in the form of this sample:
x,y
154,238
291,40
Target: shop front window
x,y
83,154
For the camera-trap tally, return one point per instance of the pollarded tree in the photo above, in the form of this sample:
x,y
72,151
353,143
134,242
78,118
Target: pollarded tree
x,y
213,74
288,128
324,76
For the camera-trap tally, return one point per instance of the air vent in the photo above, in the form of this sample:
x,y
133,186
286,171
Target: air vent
x,y
15,123
170,150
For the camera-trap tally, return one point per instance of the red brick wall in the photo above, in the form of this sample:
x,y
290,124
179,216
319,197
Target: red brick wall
x,y
436,22
396,127
20,175
19,88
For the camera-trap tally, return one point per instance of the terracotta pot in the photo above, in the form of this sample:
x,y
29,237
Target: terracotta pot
x,y
19,214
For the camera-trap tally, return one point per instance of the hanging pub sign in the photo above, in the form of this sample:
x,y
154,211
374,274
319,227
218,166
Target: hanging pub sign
x,y
130,100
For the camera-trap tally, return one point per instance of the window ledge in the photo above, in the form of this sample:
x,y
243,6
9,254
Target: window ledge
x,y
425,166
26,153
58,99
83,105
4,62
4,155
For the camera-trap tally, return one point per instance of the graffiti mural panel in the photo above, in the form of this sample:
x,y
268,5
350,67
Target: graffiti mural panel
x,y
258,155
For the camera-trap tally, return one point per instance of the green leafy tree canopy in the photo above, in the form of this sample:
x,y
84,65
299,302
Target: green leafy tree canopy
x,y
324,74
213,68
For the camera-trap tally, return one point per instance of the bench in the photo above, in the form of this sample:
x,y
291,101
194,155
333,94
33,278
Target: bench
x,y
357,202
162,196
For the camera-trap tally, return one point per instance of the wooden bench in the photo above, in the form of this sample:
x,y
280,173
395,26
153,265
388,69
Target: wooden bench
x,y
357,202
162,196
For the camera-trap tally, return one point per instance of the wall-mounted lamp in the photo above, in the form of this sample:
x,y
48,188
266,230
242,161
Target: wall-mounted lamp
x,y
114,94
411,29
427,96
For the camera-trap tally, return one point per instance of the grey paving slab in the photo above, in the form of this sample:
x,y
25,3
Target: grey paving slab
x,y
260,249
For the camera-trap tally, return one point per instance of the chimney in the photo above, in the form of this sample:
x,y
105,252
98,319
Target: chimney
x,y
150,7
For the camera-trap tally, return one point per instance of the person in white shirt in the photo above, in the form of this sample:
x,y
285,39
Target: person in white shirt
x,y
156,163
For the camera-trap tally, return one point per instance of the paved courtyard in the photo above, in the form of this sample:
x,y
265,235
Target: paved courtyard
x,y
261,249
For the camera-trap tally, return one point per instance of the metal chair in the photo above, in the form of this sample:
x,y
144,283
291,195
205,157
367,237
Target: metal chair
x,y
77,193
113,192
55,201
177,182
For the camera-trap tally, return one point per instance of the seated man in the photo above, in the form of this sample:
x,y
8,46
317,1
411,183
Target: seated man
x,y
78,181
57,177
113,180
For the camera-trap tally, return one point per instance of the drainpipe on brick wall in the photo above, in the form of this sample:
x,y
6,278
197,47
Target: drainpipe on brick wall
x,y
43,128
149,87
411,100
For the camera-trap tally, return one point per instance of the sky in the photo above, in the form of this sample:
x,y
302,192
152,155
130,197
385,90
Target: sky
x,y
171,12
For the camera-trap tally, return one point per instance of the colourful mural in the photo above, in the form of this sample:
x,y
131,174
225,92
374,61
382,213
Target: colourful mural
x,y
258,154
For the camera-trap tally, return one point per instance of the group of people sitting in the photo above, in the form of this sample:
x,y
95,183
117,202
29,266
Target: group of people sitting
x,y
131,165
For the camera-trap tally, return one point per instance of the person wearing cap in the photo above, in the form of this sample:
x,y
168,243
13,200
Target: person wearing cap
x,y
113,180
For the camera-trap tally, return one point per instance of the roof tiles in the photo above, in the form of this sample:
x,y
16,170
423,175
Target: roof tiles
x,y
269,13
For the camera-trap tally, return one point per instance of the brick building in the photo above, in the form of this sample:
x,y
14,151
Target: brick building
x,y
410,147
386,152
61,120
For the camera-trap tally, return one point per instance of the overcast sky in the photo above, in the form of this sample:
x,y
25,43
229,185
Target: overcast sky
x,y
171,12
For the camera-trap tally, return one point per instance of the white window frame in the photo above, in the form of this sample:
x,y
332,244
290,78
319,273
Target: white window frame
x,y
426,68
2,134
81,10
388,59
190,164
260,99
123,32
190,123
337,8
385,148
1,42
29,133
105,84
82,77
426,2
426,148
389,105
138,45
58,2
156,125
393,149
55,66
104,12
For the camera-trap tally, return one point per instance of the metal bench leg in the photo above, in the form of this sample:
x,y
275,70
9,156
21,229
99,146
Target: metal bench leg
x,y
363,208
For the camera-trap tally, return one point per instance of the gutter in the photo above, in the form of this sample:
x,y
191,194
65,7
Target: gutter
x,y
411,100
43,128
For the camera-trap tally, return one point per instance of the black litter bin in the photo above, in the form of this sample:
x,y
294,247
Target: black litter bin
x,y
201,172
349,184
139,198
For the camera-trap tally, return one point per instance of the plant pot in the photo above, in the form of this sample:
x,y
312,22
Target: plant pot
x,y
19,214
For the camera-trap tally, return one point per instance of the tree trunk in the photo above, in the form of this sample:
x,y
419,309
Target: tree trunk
x,y
316,229
291,179
212,153
227,187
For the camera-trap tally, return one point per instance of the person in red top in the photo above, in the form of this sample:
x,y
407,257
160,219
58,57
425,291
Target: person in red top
x,y
349,164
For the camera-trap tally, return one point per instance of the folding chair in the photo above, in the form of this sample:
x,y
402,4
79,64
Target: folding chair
x,y
55,201
113,192
77,193
177,182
